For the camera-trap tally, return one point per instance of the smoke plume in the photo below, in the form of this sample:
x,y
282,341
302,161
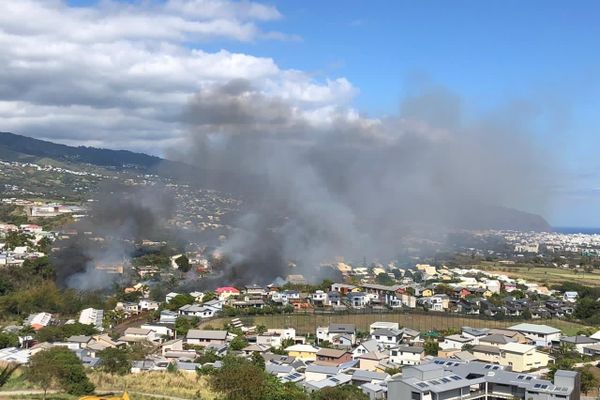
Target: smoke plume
x,y
119,217
336,184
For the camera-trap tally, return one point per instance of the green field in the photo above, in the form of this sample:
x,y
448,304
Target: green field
x,y
543,275
307,323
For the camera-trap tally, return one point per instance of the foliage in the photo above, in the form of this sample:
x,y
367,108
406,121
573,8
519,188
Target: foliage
x,y
240,379
172,367
8,340
115,360
59,366
140,350
238,343
384,279
59,333
208,356
258,360
589,381
431,347
183,263
345,392
183,325
7,372
17,239
179,301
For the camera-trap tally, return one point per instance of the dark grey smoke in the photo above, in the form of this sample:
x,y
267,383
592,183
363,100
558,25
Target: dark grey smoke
x,y
354,187
120,216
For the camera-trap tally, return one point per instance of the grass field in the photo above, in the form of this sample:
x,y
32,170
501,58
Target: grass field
x,y
179,384
543,275
307,323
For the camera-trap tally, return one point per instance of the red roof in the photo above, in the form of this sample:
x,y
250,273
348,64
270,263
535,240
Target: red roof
x,y
227,289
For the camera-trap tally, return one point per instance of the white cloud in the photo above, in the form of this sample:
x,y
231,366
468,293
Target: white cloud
x,y
119,75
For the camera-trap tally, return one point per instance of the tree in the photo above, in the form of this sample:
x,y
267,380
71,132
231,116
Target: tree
x,y
258,360
239,379
172,367
115,361
238,343
431,347
8,340
183,325
260,329
183,263
208,296
7,372
345,392
179,301
59,366
384,279
588,380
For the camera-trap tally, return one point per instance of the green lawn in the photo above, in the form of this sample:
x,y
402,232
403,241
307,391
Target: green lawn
x,y
543,275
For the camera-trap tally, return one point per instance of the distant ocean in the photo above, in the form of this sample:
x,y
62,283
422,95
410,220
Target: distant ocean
x,y
568,229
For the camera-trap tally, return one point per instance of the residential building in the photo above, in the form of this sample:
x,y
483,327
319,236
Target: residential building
x,y
91,316
204,338
540,335
407,355
522,357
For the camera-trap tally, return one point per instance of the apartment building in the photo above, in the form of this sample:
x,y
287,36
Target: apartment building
x,y
450,380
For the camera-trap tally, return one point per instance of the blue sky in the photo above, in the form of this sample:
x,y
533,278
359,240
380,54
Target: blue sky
x,y
545,54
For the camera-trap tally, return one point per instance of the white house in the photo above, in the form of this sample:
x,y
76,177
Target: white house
x,y
541,335
407,355
91,316
342,334
383,325
570,297
455,342
387,337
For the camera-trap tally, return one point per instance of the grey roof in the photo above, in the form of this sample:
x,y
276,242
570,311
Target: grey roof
x,y
79,339
278,368
481,348
342,328
370,345
368,376
210,335
534,328
410,349
322,369
386,332
499,339
579,339
335,353
475,331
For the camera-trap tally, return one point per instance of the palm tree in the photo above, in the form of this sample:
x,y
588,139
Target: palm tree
x,y
7,372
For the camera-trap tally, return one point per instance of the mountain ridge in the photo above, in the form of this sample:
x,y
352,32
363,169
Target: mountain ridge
x,y
15,147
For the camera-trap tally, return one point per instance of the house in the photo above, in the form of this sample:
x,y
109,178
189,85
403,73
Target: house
x,y
160,330
39,320
134,335
195,310
319,298
540,335
304,352
407,355
342,288
485,353
339,334
366,347
334,299
383,325
226,291
316,372
522,357
357,300
578,342
255,290
370,361
148,305
128,307
337,380
474,333
255,348
168,317
91,316
570,297
496,340
455,342
333,356
204,338
449,380
170,296
387,337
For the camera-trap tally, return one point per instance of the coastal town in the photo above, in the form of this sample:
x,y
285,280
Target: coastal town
x,y
359,330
